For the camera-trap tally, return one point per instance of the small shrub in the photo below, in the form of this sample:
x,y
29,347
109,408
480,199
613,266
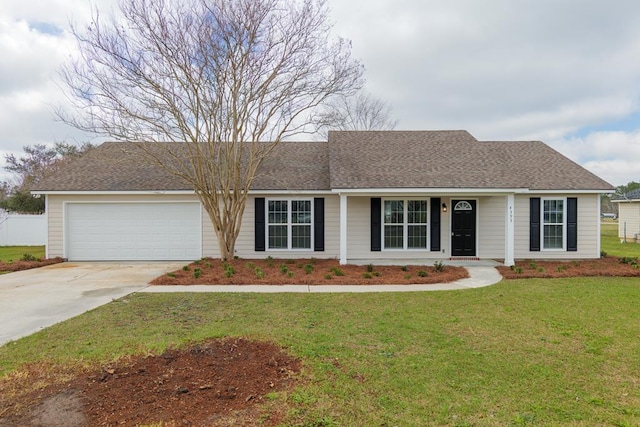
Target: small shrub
x,y
236,257
367,275
28,257
197,262
533,266
185,268
197,273
439,266
336,271
376,273
540,269
422,273
269,261
207,264
635,266
575,263
561,268
404,268
518,270
369,268
603,254
250,265
299,265
231,269
284,269
259,273
629,260
407,276
290,274
328,276
308,269
228,273
171,274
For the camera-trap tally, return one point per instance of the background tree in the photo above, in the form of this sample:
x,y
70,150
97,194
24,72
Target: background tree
x,y
361,111
37,161
225,81
607,206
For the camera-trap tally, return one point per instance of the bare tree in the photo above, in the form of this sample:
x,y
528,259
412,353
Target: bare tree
x,y
227,79
38,161
361,111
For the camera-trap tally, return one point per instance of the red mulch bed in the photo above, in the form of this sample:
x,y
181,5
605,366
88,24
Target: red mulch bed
x,y
215,383
304,272
607,267
6,267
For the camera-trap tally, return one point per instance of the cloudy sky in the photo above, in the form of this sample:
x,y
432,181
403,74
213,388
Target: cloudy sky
x,y
566,72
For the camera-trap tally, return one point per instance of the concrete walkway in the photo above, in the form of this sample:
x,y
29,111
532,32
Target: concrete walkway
x,y
478,277
34,299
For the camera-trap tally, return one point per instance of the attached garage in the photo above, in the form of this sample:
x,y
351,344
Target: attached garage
x,y
133,231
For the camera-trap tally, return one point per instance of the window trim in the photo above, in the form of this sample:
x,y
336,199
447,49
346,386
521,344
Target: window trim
x,y
289,224
405,224
543,224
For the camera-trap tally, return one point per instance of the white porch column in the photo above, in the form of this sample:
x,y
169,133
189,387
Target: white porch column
x,y
509,248
599,221
343,229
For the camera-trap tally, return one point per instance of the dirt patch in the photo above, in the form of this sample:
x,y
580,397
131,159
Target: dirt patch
x,y
216,383
606,266
305,272
8,267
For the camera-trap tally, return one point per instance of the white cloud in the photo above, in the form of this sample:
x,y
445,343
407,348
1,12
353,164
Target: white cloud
x,y
612,155
502,69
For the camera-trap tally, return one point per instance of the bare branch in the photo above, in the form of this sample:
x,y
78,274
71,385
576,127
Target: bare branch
x,y
359,112
226,79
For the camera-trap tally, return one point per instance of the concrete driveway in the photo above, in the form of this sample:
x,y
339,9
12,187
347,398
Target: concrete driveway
x,y
34,299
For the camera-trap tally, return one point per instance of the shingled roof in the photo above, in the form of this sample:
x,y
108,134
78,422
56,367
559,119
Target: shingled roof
x,y
450,159
353,160
633,195
120,166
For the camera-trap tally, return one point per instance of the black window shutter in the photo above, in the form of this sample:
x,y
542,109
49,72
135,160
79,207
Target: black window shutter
x,y
572,224
435,224
259,224
318,224
534,224
376,231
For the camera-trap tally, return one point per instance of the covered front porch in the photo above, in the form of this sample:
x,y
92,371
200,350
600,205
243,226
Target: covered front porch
x,y
425,226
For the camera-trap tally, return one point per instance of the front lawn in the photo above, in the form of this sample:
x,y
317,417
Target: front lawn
x,y
521,352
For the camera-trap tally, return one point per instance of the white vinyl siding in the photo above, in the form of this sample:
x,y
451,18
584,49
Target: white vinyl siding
x,y
359,235
629,221
491,227
245,245
588,231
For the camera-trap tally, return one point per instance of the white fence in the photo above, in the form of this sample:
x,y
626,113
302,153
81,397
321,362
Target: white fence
x,y
23,230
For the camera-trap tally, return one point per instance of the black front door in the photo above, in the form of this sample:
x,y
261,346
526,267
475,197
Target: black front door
x,y
463,228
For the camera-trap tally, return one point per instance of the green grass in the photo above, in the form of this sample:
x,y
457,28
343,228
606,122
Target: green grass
x,y
15,253
523,352
610,242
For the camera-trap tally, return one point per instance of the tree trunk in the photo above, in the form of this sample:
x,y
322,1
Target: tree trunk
x,y
226,224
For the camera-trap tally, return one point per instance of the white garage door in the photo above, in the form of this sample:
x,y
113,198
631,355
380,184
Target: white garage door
x,y
133,231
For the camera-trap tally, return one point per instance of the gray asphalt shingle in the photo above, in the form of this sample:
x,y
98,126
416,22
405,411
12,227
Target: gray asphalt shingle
x,y
353,160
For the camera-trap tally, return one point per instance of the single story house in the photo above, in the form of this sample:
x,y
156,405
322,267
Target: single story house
x,y
361,195
629,216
